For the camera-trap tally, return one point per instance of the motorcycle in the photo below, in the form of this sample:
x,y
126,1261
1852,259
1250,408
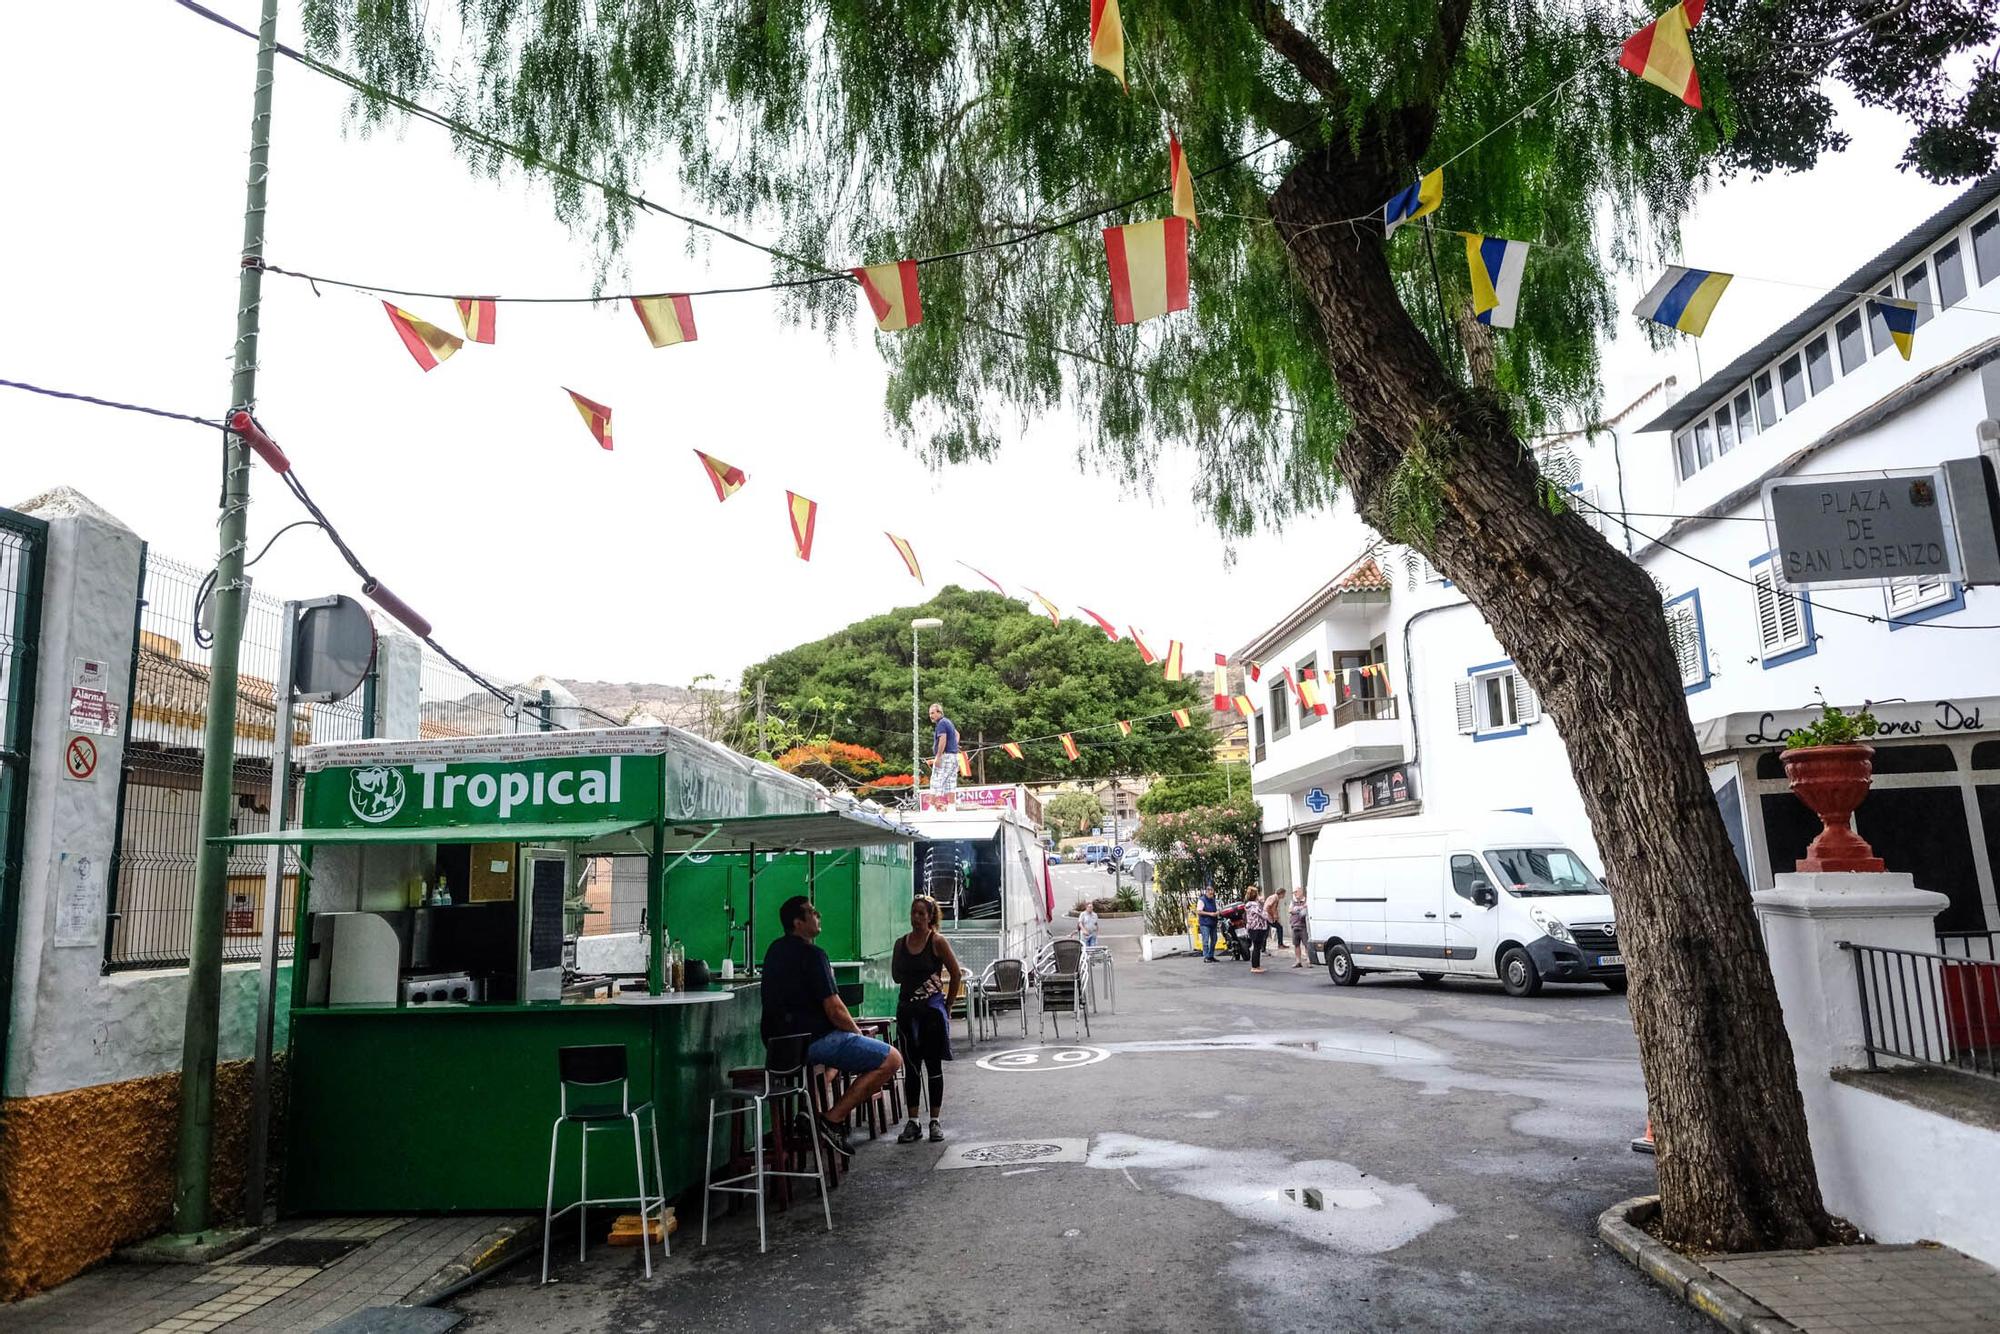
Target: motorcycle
x,y
1232,938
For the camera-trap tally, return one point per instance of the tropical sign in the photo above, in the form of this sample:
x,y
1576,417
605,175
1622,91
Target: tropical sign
x,y
443,793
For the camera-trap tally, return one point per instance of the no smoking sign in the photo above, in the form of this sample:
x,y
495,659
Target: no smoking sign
x,y
80,758
1035,1060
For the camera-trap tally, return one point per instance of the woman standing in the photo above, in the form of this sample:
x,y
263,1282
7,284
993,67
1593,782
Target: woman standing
x,y
923,1012
1258,923
1298,914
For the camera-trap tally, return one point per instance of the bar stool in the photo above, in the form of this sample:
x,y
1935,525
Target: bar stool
x,y
784,1087
590,1072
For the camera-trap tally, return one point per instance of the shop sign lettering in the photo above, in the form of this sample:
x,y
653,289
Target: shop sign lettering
x,y
441,793
1947,717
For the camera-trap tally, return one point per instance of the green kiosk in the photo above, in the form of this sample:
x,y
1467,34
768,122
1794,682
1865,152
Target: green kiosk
x,y
431,986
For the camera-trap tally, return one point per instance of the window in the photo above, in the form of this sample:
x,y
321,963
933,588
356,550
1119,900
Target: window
x,y
1782,624
1465,873
1878,332
1689,639
1704,443
1986,247
1847,334
1792,379
1725,431
1907,595
1746,425
1257,730
1949,262
1767,406
1494,700
1917,288
1281,706
1819,365
1308,670
1684,453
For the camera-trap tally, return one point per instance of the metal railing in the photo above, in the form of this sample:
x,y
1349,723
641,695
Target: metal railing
x,y
1970,945
1928,1009
1364,708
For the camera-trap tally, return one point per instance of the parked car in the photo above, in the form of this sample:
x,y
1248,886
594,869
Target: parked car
x,y
1093,853
1055,858
1494,896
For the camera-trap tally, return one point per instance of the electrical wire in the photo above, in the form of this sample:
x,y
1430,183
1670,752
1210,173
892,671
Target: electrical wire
x,y
109,403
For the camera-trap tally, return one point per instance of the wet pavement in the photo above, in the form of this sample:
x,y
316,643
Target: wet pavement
x,y
1265,1151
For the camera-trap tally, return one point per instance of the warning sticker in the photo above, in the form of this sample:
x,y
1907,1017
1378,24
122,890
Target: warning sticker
x,y
80,758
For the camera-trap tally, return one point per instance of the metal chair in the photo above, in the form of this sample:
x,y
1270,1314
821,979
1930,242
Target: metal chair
x,y
786,1089
1064,985
590,1072
1003,986
1097,957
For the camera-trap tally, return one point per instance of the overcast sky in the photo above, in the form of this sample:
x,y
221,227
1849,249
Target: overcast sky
x,y
474,490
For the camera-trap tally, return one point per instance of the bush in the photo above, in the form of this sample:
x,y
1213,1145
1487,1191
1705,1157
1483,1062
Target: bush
x,y
1128,899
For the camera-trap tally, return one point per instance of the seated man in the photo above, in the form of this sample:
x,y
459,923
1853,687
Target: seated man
x,y
799,997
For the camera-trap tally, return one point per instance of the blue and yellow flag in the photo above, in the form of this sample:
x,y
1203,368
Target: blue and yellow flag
x,y
1495,264
1683,299
1421,198
1899,318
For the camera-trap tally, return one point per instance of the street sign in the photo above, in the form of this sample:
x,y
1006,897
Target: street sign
x,y
1856,530
1317,801
336,647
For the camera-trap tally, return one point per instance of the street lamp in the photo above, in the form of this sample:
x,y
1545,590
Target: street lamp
x,y
917,627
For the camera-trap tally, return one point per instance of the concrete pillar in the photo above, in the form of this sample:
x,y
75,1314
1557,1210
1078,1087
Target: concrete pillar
x,y
399,671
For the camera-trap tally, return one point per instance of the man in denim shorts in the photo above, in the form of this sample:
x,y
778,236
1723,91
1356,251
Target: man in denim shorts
x,y
800,997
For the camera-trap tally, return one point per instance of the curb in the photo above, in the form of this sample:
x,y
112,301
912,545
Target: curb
x,y
1691,1282
501,1246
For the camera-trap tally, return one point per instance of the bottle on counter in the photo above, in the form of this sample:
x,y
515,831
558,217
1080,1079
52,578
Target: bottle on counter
x,y
680,968
729,968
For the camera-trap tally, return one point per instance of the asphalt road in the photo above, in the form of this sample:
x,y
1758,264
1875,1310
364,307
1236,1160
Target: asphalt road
x,y
1264,1151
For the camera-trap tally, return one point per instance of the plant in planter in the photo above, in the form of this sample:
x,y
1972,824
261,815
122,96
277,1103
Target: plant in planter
x,y
1830,765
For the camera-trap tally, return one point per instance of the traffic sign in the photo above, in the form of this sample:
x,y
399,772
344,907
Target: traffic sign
x,y
1854,530
80,758
1317,801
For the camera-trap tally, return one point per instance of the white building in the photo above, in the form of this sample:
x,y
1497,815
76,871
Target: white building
x,y
1450,729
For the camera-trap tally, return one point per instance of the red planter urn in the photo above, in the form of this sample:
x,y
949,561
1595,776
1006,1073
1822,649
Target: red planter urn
x,y
1833,780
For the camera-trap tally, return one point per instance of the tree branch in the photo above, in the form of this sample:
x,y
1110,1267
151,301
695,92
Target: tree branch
x,y
1418,120
1299,51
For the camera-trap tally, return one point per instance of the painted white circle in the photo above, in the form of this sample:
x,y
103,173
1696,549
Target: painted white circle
x,y
1034,1060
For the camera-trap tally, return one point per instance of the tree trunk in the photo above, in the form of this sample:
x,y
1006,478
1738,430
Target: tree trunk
x,y
1584,625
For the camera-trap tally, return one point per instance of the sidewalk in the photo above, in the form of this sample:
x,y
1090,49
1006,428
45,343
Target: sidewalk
x,y
305,1275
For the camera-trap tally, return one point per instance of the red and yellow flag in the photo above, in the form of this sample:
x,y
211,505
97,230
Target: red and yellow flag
x,y
1055,614
1146,655
426,342
1221,687
964,765
595,415
1244,706
804,515
908,554
1149,272
1180,185
988,578
1181,717
1659,52
1069,745
1173,667
1124,727
1309,690
892,293
1256,670
477,314
726,478
1107,38
1013,749
666,319
1102,624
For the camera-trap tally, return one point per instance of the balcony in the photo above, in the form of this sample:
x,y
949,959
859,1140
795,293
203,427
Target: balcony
x,y
1365,733
1363,709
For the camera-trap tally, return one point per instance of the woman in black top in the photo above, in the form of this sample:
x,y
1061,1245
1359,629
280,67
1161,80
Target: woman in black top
x,y
923,1010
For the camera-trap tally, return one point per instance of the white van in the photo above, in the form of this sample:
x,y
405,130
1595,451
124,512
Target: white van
x,y
1488,896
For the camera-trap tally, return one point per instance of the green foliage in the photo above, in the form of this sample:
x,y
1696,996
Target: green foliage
x,y
1834,727
1070,814
1127,899
1211,786
999,670
1205,844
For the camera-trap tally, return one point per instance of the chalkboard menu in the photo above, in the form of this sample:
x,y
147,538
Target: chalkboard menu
x,y
545,921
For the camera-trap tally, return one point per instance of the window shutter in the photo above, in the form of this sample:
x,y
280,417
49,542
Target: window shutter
x,y
1587,505
1467,722
1526,707
1685,634
1770,629
1791,622
1910,594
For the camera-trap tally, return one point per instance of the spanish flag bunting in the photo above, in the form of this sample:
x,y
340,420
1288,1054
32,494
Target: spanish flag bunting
x,y
1899,318
1069,745
726,478
988,578
1146,655
1149,272
1107,38
1055,614
1124,727
1659,52
1102,624
477,314
1181,717
964,765
1683,299
595,415
1221,683
1013,749
804,515
1173,665
1292,684
1180,184
908,554
1256,671
1244,706
1313,699
892,294
1418,199
426,342
1495,264
667,320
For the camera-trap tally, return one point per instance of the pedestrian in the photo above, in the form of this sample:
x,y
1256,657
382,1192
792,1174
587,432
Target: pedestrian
x,y
1086,926
928,980
1205,915
1274,904
800,998
944,752
1300,956
1258,923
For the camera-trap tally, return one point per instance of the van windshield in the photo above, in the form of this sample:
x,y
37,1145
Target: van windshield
x,y
1537,872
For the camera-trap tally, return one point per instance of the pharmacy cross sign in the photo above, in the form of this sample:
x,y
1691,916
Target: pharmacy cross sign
x,y
1317,801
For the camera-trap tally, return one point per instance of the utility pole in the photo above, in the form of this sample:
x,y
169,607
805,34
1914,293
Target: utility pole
x,y
982,757
218,764
761,745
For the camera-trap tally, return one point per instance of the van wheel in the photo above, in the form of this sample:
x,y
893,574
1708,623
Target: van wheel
x,y
1431,979
1616,985
1517,973
1340,966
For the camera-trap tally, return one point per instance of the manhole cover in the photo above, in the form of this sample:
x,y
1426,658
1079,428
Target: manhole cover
x,y
1023,1152
1033,1060
303,1252
1011,1153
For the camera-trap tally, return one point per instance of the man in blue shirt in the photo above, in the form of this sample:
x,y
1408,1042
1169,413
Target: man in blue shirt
x,y
1206,912
944,752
